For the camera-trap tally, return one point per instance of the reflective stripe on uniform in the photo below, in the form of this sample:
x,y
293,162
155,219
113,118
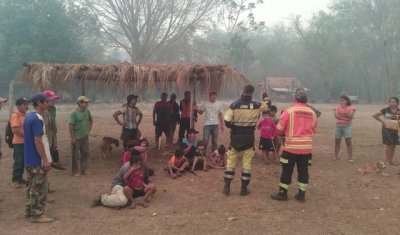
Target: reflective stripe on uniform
x,y
283,160
302,186
285,186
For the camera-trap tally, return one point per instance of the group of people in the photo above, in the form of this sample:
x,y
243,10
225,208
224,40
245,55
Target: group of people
x,y
34,139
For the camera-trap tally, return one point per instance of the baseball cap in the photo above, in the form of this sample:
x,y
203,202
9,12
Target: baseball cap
x,y
51,94
192,131
38,97
82,99
21,100
300,93
3,100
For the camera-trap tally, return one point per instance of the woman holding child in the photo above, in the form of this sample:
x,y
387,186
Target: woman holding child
x,y
390,127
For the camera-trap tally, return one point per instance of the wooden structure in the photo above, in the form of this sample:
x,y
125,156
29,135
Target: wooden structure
x,y
281,89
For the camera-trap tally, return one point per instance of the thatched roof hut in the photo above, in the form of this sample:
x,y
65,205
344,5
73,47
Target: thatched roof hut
x,y
134,77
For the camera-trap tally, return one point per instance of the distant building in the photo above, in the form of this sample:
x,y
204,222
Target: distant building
x,y
281,89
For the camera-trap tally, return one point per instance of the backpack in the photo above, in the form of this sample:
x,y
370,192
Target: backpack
x,y
9,135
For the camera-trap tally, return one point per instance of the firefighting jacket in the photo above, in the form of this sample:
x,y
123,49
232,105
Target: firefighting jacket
x,y
298,123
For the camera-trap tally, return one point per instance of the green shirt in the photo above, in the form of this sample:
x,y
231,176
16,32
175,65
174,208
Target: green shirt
x,y
80,120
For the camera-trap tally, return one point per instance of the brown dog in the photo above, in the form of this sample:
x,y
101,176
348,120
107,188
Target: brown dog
x,y
106,147
379,168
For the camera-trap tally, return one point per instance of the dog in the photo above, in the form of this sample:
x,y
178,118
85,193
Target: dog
x,y
106,146
379,168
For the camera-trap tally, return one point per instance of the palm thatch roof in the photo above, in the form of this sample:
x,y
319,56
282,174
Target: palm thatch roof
x,y
134,77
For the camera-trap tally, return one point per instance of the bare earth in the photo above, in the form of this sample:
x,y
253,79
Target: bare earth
x,y
338,200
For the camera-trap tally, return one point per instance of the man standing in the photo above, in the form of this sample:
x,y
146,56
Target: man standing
x,y
162,119
242,117
17,124
37,160
132,117
186,111
213,116
298,123
49,117
175,116
80,125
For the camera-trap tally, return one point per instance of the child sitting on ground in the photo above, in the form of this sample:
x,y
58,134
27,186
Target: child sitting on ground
x,y
218,158
199,156
135,185
140,146
177,164
268,132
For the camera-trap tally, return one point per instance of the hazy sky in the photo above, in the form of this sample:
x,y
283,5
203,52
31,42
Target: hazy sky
x,y
274,11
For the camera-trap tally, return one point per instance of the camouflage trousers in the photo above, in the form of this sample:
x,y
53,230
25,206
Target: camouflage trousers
x,y
36,193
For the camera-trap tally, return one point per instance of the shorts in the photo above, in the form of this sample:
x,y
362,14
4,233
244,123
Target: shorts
x,y
160,128
343,130
266,145
129,134
390,137
138,193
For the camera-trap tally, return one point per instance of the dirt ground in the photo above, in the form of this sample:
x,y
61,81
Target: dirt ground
x,y
338,200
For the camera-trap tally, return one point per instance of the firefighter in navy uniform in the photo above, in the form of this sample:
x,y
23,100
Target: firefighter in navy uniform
x,y
242,117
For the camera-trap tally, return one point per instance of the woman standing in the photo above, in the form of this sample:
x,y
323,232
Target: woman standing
x,y
390,127
344,115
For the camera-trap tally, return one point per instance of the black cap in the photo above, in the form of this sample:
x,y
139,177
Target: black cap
x,y
38,97
192,131
21,100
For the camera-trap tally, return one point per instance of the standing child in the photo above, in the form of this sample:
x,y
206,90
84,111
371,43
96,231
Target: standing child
x,y
277,139
135,185
268,130
218,158
177,164
80,124
200,157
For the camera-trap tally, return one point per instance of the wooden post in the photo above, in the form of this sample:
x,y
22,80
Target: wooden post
x,y
11,97
83,87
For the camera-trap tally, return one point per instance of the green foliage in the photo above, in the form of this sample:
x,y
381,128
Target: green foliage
x,y
42,30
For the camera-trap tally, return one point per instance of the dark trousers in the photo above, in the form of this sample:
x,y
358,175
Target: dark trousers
x,y
54,155
18,164
288,161
183,127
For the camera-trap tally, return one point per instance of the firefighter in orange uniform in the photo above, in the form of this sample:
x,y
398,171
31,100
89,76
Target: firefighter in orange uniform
x,y
298,123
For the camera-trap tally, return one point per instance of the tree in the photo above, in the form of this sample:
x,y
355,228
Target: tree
x,y
143,27
39,30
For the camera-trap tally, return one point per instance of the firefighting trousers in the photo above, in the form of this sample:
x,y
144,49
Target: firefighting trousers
x,y
288,161
233,157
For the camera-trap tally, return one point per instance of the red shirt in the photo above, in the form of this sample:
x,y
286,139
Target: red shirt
x,y
185,109
342,112
135,180
126,157
268,129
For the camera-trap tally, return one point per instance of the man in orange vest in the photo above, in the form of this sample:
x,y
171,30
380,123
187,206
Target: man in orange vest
x,y
298,123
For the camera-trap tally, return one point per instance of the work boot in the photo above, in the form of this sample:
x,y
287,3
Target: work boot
x,y
281,195
42,219
227,186
244,191
96,202
301,196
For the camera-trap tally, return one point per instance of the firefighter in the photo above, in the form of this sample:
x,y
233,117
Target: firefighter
x,y
242,117
298,123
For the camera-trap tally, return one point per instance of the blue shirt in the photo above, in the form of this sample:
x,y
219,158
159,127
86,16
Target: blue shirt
x,y
192,153
33,126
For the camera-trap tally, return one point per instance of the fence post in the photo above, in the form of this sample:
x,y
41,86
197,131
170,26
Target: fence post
x,y
11,97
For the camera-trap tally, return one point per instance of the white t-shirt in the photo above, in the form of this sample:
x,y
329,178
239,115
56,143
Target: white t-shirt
x,y
211,112
45,140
